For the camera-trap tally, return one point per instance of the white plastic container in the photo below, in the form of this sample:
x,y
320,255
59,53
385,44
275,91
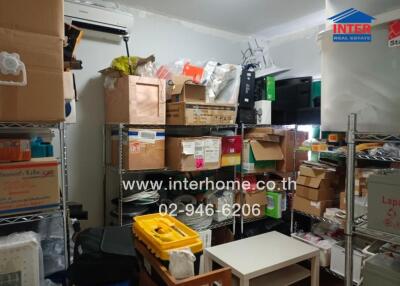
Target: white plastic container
x,y
338,260
324,251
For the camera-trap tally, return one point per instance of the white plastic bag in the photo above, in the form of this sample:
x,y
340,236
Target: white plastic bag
x,y
181,263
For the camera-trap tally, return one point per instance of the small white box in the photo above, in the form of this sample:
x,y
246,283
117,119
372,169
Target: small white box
x,y
263,111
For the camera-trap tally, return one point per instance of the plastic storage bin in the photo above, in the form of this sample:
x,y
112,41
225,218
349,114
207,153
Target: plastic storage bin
x,y
162,233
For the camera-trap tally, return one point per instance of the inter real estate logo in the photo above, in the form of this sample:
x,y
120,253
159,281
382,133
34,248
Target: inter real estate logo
x,y
352,26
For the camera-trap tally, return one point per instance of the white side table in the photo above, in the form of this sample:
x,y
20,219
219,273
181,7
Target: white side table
x,y
263,254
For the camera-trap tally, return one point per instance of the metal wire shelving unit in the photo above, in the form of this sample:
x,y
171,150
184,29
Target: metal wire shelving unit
x,y
120,172
35,129
351,228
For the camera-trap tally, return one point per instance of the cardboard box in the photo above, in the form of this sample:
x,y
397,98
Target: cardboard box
x,y
231,149
42,99
360,182
315,194
342,204
259,156
316,208
142,149
69,87
39,16
14,150
288,147
27,187
262,134
251,199
263,110
136,100
184,89
193,153
316,183
183,113
316,172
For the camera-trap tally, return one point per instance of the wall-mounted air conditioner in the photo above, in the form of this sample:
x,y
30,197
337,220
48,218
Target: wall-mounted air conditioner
x,y
99,19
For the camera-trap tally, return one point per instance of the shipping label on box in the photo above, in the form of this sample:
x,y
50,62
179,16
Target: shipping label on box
x,y
29,186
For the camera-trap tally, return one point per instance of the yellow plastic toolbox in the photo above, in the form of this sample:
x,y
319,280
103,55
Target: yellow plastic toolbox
x,y
163,233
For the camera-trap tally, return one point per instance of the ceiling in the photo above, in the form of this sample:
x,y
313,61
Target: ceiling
x,y
236,16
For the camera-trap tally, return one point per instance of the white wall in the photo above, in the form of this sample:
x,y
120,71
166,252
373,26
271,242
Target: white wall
x,y
361,78
298,51
167,39
295,45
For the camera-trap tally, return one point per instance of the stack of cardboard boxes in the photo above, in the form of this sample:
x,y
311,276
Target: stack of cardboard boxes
x,y
315,189
31,37
141,101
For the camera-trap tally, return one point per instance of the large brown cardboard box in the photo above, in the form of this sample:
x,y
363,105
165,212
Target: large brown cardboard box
x,y
27,187
142,149
136,100
316,172
316,208
250,199
315,194
184,113
316,183
42,99
193,153
34,16
288,147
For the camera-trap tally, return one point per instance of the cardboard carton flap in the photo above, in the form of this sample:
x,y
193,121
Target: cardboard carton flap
x,y
178,83
264,151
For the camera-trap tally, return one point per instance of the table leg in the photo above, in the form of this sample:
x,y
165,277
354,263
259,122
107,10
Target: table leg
x,y
244,282
207,262
315,271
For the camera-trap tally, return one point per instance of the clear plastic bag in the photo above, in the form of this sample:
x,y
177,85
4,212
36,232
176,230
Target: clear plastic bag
x,y
21,259
181,263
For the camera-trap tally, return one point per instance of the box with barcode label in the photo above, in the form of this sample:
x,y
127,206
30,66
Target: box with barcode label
x,y
142,149
193,153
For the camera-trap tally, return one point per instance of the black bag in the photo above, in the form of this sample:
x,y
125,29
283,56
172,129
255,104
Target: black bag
x,y
103,256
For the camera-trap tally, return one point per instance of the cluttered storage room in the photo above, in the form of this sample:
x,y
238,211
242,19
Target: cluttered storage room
x,y
194,143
